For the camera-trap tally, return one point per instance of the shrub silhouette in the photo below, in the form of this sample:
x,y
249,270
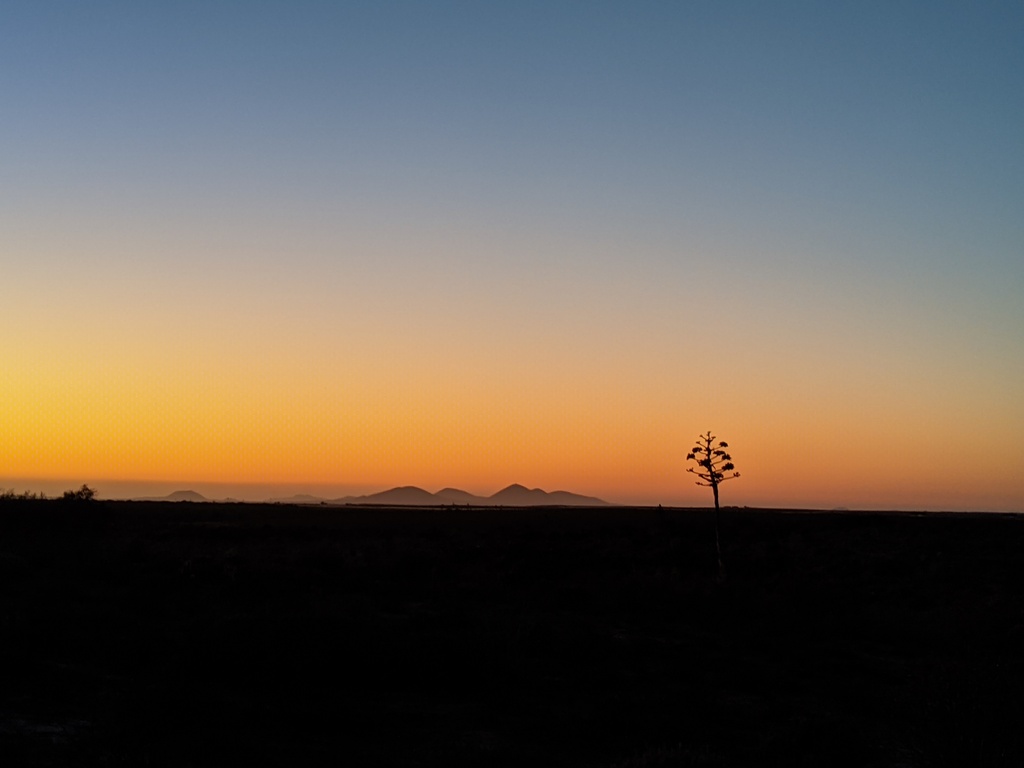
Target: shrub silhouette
x,y
713,462
82,495
9,495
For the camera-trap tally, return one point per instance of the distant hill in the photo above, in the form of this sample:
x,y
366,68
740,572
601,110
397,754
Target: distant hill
x,y
517,495
514,495
455,496
520,496
175,496
406,495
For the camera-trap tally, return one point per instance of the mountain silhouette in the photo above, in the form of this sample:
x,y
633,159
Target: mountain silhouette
x,y
406,495
514,495
456,496
517,495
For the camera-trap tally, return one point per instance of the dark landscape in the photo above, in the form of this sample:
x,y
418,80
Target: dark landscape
x,y
196,634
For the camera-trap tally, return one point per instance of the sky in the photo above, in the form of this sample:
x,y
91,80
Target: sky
x,y
260,247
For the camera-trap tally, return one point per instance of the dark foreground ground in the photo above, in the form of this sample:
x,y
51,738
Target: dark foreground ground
x,y
211,635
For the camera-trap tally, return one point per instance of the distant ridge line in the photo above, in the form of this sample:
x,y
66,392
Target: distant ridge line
x,y
514,495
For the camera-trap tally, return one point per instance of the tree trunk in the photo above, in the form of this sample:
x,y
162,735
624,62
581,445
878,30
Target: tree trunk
x,y
718,536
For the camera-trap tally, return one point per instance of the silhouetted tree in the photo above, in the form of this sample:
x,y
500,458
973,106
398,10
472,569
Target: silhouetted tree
x,y
713,464
85,493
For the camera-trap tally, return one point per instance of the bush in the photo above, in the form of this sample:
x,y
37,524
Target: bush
x,y
82,495
8,494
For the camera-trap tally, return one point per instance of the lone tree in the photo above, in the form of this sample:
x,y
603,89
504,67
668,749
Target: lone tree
x,y
713,464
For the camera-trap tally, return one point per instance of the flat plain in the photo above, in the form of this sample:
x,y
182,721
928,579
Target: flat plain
x,y
191,634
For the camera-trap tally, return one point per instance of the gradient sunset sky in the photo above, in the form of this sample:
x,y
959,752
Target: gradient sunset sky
x,y
336,247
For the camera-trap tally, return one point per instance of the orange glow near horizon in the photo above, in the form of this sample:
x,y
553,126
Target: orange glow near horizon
x,y
604,432
594,383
